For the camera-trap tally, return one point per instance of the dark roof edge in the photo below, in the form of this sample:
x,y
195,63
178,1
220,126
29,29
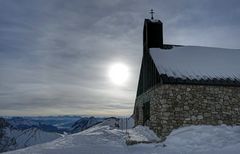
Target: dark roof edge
x,y
210,82
170,46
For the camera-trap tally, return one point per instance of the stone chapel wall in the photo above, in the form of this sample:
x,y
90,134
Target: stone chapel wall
x,y
173,106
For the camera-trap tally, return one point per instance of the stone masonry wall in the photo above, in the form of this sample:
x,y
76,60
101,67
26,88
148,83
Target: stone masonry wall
x,y
173,106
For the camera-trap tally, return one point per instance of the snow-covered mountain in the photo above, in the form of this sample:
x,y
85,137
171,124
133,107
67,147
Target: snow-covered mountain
x,y
22,123
12,138
61,122
58,124
26,123
85,123
112,122
95,140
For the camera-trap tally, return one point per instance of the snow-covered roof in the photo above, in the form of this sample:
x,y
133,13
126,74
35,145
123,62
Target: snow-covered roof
x,y
195,62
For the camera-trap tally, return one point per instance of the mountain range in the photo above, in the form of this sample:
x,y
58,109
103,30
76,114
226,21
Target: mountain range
x,y
20,132
12,138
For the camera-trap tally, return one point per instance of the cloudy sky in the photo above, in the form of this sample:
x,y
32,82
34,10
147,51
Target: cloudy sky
x,y
55,54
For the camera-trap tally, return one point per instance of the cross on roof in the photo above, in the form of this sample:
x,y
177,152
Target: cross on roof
x,y
152,12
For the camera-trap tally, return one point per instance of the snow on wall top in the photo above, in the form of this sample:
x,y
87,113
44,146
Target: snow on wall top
x,y
195,62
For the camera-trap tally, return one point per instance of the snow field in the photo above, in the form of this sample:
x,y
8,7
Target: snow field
x,y
106,140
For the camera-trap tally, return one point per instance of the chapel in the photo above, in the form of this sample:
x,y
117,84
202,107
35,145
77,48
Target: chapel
x,y
185,85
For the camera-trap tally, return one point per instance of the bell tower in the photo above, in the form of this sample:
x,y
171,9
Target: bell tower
x,y
152,33
152,38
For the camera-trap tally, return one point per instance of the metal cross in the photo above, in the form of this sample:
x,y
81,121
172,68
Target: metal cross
x,y
152,12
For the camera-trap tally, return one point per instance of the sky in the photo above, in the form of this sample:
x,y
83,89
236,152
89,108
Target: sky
x,y
55,54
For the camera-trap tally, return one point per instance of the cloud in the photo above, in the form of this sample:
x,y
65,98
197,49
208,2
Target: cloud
x,y
54,55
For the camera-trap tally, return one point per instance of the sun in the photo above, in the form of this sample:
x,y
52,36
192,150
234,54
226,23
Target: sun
x,y
118,73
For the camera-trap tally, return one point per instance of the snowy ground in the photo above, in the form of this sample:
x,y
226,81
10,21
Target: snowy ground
x,y
104,140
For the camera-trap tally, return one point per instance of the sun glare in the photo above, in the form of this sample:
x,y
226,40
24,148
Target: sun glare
x,y
118,73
